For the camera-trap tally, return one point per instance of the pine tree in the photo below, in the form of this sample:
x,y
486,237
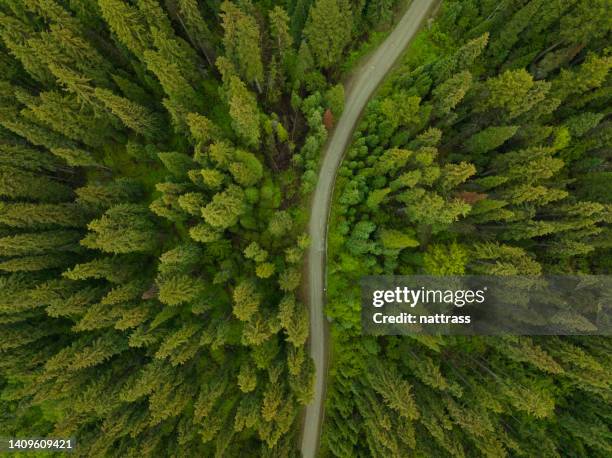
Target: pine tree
x,y
280,224
202,129
462,59
513,92
396,240
76,157
32,243
590,75
105,195
199,32
136,117
328,30
16,183
245,168
246,300
124,228
24,215
244,112
225,208
279,29
178,164
247,378
489,139
28,159
241,40
179,289
128,24
451,92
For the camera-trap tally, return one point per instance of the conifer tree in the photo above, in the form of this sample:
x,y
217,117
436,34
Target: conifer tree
x,y
128,24
16,183
133,115
328,30
246,300
124,228
244,112
241,40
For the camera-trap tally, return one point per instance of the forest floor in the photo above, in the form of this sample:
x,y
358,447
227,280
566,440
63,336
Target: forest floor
x,y
359,89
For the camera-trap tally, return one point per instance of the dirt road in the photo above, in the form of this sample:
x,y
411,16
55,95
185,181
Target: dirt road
x,y
362,86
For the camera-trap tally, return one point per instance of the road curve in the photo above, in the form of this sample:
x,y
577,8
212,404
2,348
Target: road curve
x,y
362,86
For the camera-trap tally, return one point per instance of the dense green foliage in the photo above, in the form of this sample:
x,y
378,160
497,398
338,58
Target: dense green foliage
x,y
152,159
486,152
156,158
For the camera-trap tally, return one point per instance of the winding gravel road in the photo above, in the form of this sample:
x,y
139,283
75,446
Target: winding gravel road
x,y
360,89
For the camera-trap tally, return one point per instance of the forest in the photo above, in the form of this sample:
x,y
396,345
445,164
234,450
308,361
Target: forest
x,y
157,159
487,151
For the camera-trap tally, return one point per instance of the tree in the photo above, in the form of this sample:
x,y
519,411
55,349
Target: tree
x,y
247,378
244,112
509,35
115,269
192,203
293,318
246,300
23,215
212,178
453,175
396,240
461,60
178,289
197,29
225,208
105,195
202,129
182,97
124,228
280,223
513,92
430,209
279,30
28,159
489,139
75,157
328,30
255,252
177,163
449,259
499,259
588,21
32,243
136,117
66,115
290,279
128,24
451,92
590,75
402,109
265,270
15,183
395,391
245,168
242,43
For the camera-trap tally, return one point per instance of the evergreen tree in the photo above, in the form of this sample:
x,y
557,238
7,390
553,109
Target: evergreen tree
x,y
244,112
133,115
17,183
124,228
242,43
328,30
